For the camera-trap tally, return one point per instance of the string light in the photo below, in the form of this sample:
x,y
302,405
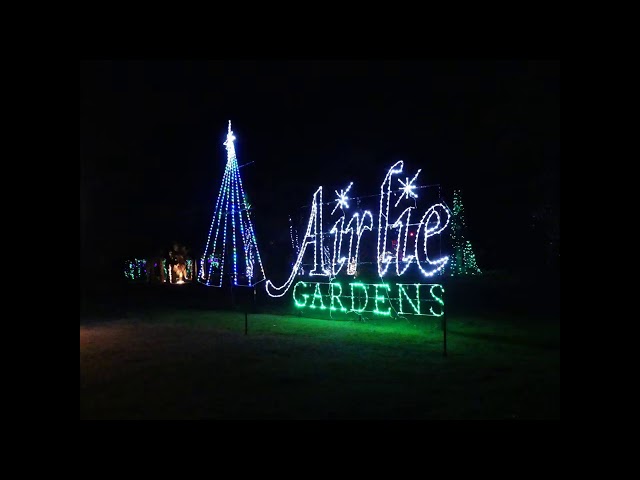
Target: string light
x,y
339,232
318,238
352,266
433,221
333,293
382,228
364,288
304,295
232,207
233,221
250,257
398,224
224,190
274,291
227,197
327,259
361,227
317,294
380,298
218,210
342,198
415,306
295,244
190,269
463,261
438,299
408,187
332,286
254,244
430,232
134,269
337,245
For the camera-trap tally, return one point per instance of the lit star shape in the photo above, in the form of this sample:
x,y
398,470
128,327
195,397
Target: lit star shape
x,y
230,137
407,187
342,198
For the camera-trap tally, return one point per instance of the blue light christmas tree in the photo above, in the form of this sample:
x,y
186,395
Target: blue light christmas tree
x,y
231,242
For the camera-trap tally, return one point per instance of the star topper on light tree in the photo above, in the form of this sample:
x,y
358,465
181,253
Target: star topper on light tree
x,y
238,251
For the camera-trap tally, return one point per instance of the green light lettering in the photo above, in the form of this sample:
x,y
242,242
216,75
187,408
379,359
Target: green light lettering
x,y
361,285
317,294
336,297
380,298
439,300
415,306
304,295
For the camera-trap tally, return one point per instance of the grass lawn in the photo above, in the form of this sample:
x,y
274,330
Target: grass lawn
x,y
195,364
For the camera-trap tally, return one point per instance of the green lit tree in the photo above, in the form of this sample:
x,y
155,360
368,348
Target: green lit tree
x,y
463,260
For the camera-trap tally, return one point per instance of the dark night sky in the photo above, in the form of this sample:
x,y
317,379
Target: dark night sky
x,y
152,156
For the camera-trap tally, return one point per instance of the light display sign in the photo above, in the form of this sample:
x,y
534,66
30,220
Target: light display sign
x,y
401,237
377,298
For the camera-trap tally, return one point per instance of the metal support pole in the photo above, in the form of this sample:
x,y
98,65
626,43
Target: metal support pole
x,y
444,336
233,300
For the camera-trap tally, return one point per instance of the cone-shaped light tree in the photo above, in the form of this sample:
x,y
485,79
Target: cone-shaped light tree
x,y
463,260
231,250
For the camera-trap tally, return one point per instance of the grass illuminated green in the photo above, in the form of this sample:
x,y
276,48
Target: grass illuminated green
x,y
189,364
